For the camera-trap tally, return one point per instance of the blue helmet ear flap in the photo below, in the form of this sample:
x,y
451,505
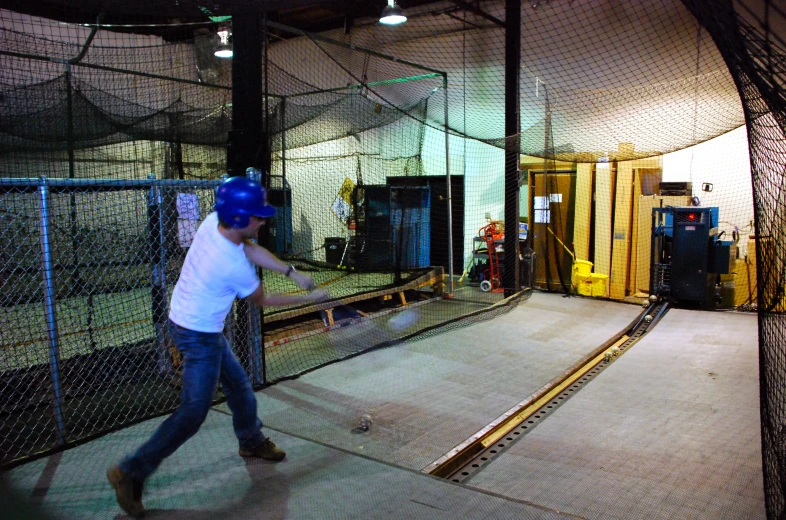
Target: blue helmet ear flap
x,y
239,221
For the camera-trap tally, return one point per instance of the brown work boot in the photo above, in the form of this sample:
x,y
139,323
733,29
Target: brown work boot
x,y
266,450
128,491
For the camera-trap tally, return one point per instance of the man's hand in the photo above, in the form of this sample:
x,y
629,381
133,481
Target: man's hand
x,y
304,281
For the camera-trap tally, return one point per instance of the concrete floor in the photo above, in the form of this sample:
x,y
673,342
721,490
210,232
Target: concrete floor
x,y
669,430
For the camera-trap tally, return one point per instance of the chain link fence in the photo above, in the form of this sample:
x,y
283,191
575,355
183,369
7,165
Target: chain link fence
x,y
87,270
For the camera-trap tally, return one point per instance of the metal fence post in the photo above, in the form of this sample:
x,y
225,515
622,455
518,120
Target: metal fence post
x,y
255,339
51,314
448,186
160,306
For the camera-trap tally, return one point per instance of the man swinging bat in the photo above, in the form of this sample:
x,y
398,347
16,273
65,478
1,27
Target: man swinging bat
x,y
217,269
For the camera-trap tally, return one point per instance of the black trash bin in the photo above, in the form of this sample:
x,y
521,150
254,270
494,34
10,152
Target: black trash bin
x,y
334,250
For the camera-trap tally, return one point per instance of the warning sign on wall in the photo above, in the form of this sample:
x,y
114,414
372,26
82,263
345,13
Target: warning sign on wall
x,y
342,206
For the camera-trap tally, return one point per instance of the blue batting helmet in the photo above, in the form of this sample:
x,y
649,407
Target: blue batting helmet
x,y
240,198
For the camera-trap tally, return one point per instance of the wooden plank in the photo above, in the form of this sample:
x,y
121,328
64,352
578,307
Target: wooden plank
x,y
582,211
314,327
620,262
604,192
535,163
644,237
634,240
552,229
745,281
323,306
644,242
751,273
648,175
650,162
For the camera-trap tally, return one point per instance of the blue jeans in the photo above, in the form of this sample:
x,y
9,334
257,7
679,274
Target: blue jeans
x,y
207,359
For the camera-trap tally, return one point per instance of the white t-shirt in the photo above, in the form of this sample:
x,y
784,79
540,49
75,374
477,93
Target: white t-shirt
x,y
215,271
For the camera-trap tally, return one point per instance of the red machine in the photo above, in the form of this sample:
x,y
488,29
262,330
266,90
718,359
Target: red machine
x,y
492,235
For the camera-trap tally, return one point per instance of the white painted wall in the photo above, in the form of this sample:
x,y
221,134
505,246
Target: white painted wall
x,y
316,173
615,71
725,163
483,168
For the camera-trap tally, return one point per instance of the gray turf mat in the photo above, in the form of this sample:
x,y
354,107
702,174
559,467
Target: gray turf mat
x,y
669,430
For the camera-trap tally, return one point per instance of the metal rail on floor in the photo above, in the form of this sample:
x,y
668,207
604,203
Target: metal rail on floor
x,y
469,457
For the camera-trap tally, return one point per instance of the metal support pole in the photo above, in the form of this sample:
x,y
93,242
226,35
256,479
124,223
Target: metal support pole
x,y
69,122
76,279
256,354
510,278
449,187
656,251
160,298
230,325
51,315
247,144
246,139
287,206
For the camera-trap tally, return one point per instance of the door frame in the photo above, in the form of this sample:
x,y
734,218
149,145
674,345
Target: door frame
x,y
531,173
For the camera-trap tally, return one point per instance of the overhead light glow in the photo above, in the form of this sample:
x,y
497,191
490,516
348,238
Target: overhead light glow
x,y
392,14
224,49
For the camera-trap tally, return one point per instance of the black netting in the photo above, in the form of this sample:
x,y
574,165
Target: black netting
x,y
386,160
755,58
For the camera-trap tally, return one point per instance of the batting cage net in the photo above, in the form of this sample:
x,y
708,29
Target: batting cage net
x,y
111,151
401,181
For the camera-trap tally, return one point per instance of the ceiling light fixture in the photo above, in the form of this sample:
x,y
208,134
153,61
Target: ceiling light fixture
x,y
392,14
224,49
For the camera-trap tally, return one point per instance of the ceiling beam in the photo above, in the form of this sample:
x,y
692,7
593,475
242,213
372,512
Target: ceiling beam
x,y
476,10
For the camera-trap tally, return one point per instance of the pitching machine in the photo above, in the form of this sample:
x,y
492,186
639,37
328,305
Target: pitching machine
x,y
687,255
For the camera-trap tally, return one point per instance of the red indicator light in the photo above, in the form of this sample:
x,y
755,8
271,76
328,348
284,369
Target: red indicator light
x,y
691,216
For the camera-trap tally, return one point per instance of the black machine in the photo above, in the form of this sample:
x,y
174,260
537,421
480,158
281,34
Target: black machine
x,y
279,195
687,255
393,228
676,188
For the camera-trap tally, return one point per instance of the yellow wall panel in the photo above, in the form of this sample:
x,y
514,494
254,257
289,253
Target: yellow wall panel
x,y
634,240
621,238
582,211
649,162
604,193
